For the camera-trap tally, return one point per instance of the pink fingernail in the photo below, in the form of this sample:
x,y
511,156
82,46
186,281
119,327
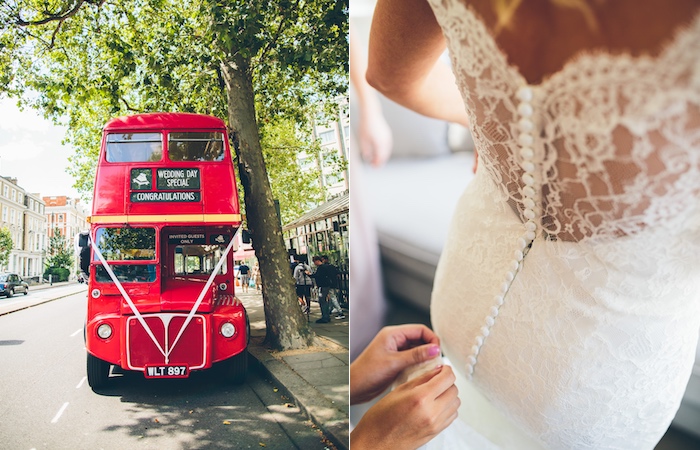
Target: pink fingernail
x,y
433,350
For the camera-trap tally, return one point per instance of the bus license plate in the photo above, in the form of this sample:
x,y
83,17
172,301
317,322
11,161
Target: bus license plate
x,y
166,372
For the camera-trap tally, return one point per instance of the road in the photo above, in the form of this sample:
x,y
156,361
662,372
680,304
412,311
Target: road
x,y
45,402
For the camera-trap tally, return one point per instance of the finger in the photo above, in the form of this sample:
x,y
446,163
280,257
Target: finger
x,y
420,354
436,385
406,336
442,412
446,407
422,379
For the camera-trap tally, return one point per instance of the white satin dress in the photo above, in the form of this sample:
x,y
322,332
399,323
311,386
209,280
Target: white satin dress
x,y
568,294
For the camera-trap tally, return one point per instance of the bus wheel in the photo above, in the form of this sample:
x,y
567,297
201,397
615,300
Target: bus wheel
x,y
236,368
97,372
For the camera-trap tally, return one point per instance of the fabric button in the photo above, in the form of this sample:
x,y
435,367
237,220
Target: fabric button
x,y
525,110
524,94
525,125
522,243
525,139
527,153
528,167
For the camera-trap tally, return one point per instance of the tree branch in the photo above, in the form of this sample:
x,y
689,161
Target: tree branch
x,y
128,107
55,32
61,16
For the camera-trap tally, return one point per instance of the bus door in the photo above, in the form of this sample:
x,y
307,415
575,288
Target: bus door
x,y
190,257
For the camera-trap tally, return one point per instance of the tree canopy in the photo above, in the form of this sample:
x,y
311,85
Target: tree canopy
x,y
83,62
59,255
255,63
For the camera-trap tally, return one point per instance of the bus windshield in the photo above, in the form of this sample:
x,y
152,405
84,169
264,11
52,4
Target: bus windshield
x,y
196,146
127,243
128,273
198,259
134,147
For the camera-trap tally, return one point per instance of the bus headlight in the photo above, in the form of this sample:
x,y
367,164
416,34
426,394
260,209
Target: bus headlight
x,y
228,330
104,331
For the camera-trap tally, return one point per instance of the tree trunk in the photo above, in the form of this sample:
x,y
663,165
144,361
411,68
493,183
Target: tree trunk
x,y
287,327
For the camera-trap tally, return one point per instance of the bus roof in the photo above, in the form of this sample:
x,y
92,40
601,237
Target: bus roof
x,y
160,120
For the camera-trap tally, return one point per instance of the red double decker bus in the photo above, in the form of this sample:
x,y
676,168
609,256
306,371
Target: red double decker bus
x,y
159,253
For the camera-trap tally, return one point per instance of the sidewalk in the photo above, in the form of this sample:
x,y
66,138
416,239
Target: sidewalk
x,y
317,378
30,301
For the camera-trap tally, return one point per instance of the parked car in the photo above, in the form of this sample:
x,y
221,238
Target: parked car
x,y
10,283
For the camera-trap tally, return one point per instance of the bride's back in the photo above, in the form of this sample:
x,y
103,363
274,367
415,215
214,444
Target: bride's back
x,y
540,36
614,93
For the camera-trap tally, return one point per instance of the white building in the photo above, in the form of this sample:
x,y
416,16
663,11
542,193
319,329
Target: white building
x,y
23,215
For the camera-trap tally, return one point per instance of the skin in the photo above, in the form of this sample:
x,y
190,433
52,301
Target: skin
x,y
414,412
406,41
405,44
374,135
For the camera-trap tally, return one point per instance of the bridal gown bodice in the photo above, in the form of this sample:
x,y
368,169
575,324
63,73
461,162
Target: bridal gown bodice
x,y
568,292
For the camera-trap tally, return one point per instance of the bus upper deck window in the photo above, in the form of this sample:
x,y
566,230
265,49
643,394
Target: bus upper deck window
x,y
196,146
134,147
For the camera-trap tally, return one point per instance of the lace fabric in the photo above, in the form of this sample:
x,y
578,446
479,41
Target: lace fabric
x,y
590,342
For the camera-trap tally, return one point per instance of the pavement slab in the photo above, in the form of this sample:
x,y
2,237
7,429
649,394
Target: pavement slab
x,y
317,378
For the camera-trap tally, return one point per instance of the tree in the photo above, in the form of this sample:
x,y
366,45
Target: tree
x,y
59,260
296,189
248,61
6,246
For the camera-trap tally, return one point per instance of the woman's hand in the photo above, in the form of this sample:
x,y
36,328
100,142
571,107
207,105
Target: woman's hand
x,y
375,138
392,350
410,415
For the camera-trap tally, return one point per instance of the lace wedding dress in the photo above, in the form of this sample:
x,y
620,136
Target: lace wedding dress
x,y
568,294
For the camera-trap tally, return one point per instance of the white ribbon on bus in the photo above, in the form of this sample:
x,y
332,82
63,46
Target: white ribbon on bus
x,y
139,317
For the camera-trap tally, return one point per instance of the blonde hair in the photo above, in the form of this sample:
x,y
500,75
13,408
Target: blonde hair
x,y
505,9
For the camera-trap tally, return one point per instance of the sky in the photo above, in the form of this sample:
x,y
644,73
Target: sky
x,y
31,151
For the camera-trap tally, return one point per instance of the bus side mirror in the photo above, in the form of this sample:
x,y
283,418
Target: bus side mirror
x,y
83,240
245,236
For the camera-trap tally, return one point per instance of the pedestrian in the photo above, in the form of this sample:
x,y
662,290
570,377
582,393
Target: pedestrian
x,y
244,272
333,291
324,277
257,277
303,281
